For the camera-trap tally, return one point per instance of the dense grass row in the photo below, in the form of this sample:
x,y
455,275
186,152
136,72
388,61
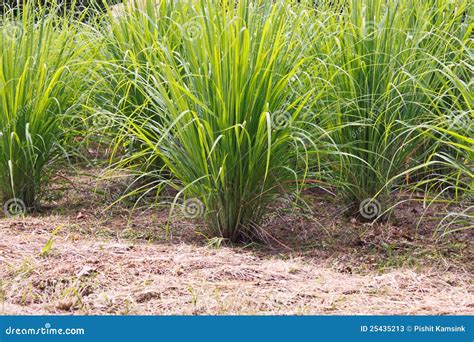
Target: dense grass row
x,y
44,67
235,104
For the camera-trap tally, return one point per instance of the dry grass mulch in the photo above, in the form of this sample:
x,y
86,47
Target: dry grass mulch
x,y
123,262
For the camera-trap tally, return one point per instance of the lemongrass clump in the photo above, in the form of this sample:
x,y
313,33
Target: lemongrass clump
x,y
385,70
40,61
221,114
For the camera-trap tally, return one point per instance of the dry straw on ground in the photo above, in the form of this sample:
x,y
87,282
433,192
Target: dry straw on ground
x,y
101,263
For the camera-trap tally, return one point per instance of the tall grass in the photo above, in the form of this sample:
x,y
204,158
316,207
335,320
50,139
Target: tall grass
x,y
40,58
132,33
387,68
225,121
233,104
450,176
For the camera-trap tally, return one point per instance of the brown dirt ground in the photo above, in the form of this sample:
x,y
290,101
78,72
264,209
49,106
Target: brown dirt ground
x,y
316,262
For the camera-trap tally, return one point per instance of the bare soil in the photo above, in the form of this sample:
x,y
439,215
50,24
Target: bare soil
x,y
121,261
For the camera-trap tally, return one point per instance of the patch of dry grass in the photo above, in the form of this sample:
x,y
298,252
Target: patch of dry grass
x,y
120,263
